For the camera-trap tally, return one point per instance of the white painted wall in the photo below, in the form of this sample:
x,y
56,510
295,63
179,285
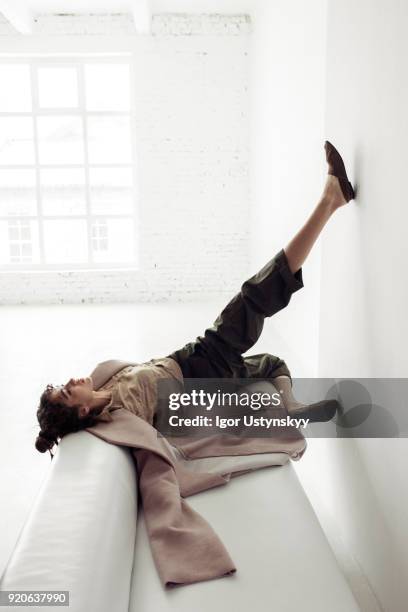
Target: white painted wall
x,y
363,325
356,326
287,158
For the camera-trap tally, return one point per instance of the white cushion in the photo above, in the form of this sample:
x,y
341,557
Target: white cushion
x,y
81,530
284,562
81,534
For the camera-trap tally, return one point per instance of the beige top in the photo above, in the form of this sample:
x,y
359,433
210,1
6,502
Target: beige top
x,y
135,388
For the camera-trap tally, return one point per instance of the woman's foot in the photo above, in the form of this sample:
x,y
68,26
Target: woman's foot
x,y
337,191
332,193
319,412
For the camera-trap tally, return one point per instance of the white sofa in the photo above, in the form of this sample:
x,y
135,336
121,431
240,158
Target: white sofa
x,y
86,534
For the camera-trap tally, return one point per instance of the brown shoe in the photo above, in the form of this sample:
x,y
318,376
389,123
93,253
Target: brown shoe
x,y
337,168
319,412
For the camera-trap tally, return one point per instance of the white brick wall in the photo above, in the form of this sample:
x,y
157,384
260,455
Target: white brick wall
x,y
192,146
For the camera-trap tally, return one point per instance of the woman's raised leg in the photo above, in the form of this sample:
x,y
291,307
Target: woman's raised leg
x,y
219,352
301,244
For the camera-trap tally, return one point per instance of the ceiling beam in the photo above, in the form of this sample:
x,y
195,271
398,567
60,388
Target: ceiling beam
x,y
18,15
142,16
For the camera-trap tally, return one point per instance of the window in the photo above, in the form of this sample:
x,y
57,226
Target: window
x,y
20,240
100,235
67,189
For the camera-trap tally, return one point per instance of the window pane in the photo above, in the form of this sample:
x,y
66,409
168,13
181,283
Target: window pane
x,y
17,192
16,140
109,140
58,87
116,245
111,190
65,241
60,140
19,242
63,191
107,87
15,90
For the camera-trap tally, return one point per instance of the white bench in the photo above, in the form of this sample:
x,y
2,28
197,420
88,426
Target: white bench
x,y
81,536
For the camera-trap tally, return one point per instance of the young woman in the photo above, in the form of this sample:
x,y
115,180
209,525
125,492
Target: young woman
x,y
219,353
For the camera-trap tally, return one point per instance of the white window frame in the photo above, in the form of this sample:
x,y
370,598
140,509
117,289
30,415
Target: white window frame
x,y
97,238
20,241
77,60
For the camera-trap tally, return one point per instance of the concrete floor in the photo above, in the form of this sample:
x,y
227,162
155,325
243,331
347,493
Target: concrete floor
x,y
49,344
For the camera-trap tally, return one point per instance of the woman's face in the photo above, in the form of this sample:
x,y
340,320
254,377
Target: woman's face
x,y
77,392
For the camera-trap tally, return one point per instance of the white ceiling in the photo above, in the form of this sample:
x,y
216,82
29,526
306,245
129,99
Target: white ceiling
x,y
117,6
21,13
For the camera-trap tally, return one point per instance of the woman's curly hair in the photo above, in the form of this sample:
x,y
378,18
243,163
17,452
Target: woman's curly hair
x,y
56,420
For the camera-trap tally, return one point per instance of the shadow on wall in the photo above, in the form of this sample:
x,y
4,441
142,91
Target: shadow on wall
x,y
346,498
345,502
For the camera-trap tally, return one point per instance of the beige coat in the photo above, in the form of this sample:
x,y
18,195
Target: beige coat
x,y
184,546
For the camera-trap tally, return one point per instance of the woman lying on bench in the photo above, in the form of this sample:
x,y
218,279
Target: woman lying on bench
x,y
219,352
